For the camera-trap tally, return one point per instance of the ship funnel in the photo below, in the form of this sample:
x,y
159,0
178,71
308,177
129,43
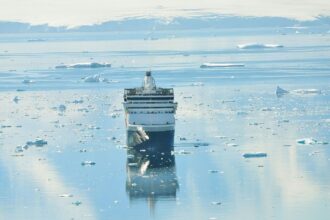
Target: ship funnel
x,y
149,82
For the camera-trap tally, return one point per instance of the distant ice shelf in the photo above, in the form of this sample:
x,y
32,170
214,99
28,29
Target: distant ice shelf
x,y
221,65
258,46
83,65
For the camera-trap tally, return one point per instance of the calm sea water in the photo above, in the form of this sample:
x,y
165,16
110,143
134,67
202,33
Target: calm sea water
x,y
222,114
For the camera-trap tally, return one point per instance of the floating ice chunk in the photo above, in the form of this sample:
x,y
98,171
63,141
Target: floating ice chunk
x,y
221,65
132,164
280,92
37,143
144,167
306,91
258,46
93,79
255,154
216,203
78,101
27,81
307,141
266,109
61,108
36,40
242,113
83,65
197,84
65,195
232,145
215,171
77,203
19,149
181,152
88,163
16,99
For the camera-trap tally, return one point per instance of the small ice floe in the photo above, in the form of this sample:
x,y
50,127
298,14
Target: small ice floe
x,y
232,145
94,79
37,143
132,164
255,155
61,108
144,167
88,163
306,91
36,40
241,113
280,92
80,101
266,109
307,141
310,141
180,152
65,195
216,203
19,149
197,84
83,65
16,99
258,46
28,81
215,171
221,65
77,203
114,115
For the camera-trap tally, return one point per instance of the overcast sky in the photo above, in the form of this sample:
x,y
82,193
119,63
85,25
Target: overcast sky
x,y
78,12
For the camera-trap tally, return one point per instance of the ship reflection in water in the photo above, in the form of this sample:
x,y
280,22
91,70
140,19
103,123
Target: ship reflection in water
x,y
150,165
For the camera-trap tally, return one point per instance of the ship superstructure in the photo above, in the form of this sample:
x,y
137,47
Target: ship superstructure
x,y
149,108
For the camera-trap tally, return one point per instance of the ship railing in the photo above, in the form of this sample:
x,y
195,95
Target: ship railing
x,y
141,91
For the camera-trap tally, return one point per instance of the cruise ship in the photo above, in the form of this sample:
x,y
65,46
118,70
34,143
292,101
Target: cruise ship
x,y
150,123
149,115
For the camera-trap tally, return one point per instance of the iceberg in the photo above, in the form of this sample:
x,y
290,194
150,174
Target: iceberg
x,y
83,65
258,46
221,65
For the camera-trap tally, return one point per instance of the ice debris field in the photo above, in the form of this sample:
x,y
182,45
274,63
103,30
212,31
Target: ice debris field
x,y
251,134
